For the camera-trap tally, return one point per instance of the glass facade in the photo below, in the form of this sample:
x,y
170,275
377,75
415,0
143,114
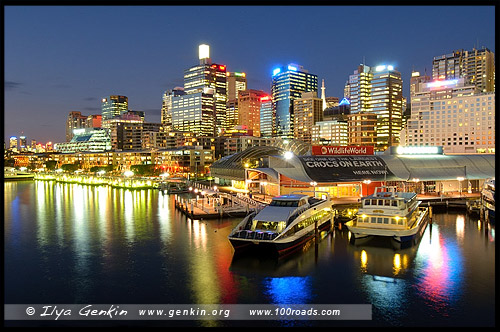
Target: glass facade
x,y
288,83
379,90
209,79
113,106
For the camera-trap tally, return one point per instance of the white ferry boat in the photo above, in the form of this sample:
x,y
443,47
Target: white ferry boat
x,y
284,225
389,213
488,198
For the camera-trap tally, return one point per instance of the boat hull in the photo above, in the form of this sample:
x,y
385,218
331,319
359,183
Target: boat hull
x,y
401,236
278,247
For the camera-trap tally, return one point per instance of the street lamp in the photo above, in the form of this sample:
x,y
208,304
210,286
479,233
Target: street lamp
x,y
314,184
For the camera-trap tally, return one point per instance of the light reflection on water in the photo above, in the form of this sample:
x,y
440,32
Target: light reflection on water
x,y
88,244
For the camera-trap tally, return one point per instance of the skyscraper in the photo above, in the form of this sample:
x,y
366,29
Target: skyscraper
x,y
74,121
308,110
235,82
378,90
166,108
249,102
112,106
477,67
266,117
288,83
209,79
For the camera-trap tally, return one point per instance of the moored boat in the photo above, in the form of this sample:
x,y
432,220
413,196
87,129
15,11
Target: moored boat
x,y
284,225
488,199
389,213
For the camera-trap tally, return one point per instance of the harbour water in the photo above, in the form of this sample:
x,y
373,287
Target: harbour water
x,y
78,244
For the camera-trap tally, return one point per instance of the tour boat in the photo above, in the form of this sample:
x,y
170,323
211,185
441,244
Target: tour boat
x,y
286,224
488,198
389,213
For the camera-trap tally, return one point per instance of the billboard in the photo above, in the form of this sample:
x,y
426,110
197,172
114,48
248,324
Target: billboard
x,y
346,168
350,150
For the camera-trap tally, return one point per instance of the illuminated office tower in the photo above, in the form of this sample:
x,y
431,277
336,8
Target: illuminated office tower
x,y
113,106
378,90
74,121
477,67
288,84
266,117
308,110
13,143
166,107
194,113
208,78
235,82
358,89
249,102
386,100
22,143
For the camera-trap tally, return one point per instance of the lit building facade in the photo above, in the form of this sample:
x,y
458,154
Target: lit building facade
x,y
330,132
93,121
266,117
194,113
86,139
476,67
453,115
379,90
235,82
362,128
208,79
166,107
288,84
113,106
308,109
249,103
74,121
13,142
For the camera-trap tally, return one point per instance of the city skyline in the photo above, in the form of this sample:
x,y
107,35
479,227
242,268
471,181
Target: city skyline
x,y
72,56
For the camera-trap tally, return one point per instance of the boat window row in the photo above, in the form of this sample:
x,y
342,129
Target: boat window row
x,y
307,222
381,202
286,203
382,220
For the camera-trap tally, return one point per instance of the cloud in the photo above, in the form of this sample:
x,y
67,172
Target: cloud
x,y
11,85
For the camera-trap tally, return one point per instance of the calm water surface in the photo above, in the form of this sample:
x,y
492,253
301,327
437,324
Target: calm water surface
x,y
76,244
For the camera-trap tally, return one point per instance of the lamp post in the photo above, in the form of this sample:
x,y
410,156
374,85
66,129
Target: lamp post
x,y
314,184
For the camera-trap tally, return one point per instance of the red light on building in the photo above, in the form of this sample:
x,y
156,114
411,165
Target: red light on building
x,y
265,98
221,67
321,150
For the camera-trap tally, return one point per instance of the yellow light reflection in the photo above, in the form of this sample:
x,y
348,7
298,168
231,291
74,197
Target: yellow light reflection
x,y
396,264
364,261
460,227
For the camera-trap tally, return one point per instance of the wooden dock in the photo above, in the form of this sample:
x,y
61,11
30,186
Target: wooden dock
x,y
220,205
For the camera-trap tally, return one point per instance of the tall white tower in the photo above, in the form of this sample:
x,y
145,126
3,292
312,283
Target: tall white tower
x,y
323,97
204,54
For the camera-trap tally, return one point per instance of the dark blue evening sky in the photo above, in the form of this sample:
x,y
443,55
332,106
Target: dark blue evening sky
x,y
66,58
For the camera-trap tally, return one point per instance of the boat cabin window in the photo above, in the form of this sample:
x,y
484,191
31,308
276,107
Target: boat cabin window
x,y
286,203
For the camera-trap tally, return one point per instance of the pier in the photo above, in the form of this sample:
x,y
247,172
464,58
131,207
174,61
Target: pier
x,y
213,204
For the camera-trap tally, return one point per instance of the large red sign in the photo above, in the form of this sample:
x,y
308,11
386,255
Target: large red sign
x,y
324,150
